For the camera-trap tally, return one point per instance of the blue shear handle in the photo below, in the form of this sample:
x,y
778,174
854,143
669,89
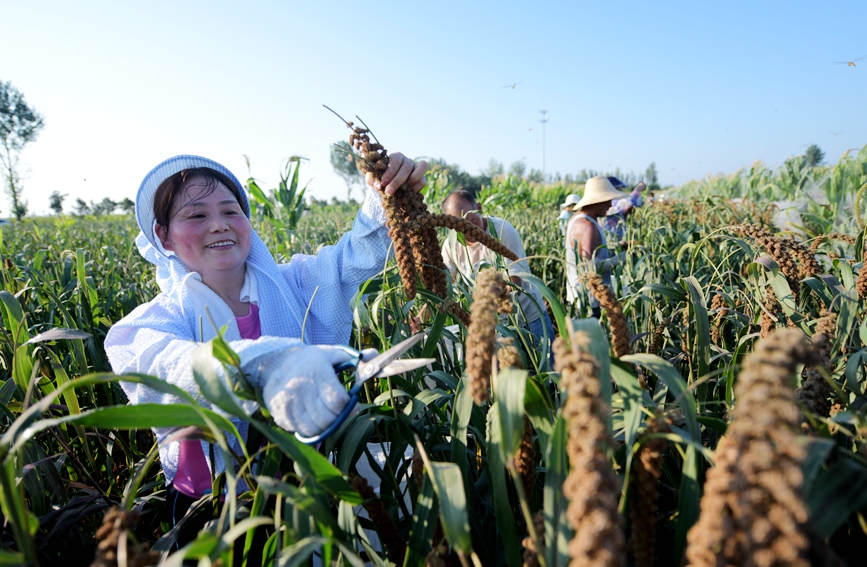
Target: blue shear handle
x,y
338,421
352,362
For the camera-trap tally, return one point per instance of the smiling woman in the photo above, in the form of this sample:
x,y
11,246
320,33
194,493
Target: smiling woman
x,y
215,272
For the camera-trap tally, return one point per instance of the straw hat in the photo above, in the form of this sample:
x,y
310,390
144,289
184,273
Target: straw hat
x,y
570,200
598,190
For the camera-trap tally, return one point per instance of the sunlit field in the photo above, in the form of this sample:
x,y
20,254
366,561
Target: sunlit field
x,y
715,414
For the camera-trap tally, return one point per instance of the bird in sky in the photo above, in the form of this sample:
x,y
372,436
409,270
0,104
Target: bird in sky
x,y
835,133
849,63
513,85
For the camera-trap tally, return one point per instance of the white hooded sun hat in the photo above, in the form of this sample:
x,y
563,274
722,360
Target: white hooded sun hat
x,y
598,190
571,199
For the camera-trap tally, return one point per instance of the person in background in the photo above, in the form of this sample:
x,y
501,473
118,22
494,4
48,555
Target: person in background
x,y
566,210
615,221
585,241
470,258
211,265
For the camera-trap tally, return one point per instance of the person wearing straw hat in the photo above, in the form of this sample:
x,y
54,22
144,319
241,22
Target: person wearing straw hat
x,y
566,210
585,240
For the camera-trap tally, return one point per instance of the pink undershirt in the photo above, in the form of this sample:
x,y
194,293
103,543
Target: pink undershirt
x,y
194,477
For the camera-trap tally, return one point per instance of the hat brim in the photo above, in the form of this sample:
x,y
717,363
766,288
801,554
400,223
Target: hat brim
x,y
600,197
144,200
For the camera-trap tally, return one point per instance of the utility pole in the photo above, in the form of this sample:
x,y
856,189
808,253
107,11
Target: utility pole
x,y
543,120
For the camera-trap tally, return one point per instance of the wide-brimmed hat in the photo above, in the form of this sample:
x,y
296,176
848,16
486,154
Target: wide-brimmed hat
x,y
144,199
598,190
571,199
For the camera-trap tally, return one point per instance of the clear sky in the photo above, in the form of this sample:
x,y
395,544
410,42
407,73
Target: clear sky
x,y
697,87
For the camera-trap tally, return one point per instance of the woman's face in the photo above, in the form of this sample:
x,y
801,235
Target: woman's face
x,y
208,231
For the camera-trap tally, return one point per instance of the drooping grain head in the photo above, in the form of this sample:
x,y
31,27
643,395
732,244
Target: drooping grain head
x,y
591,486
617,324
751,509
481,343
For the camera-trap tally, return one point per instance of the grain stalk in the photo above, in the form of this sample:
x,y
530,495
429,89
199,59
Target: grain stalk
x,y
643,483
591,487
752,512
388,533
411,227
617,324
815,392
490,297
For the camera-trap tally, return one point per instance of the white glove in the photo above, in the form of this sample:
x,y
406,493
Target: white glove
x,y
301,389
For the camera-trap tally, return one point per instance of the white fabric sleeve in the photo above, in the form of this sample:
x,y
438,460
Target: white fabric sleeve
x,y
330,279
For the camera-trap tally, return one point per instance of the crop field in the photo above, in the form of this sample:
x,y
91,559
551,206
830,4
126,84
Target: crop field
x,y
715,414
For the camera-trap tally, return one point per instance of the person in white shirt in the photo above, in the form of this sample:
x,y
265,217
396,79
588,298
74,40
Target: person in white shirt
x,y
467,260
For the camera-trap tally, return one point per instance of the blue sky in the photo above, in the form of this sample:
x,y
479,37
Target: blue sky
x,y
696,87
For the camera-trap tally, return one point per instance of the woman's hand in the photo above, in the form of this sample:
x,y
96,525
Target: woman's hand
x,y
401,170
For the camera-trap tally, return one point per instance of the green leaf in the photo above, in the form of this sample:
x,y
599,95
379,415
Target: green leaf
x,y
553,301
11,558
461,413
787,300
669,292
539,408
311,462
298,553
499,487
58,334
210,384
558,532
853,365
669,375
818,450
449,487
304,502
423,524
13,318
698,308
631,395
511,386
838,491
22,367
688,502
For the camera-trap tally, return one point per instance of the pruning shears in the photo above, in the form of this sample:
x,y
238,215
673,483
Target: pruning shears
x,y
383,365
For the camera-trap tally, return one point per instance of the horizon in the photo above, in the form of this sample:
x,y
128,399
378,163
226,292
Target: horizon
x,y
698,90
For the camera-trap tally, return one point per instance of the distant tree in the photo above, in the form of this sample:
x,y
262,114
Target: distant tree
x,y
815,156
104,207
55,201
494,168
457,177
127,205
517,169
536,176
81,208
651,177
19,125
343,161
